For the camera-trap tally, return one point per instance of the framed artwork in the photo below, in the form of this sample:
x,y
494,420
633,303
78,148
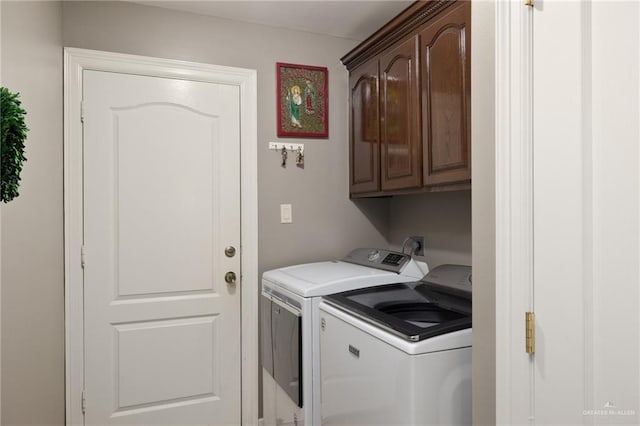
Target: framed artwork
x,y
303,101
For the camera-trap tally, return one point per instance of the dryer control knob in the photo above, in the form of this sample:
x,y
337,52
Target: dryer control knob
x,y
373,255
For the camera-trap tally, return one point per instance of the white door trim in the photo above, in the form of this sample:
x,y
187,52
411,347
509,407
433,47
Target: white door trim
x,y
514,210
77,60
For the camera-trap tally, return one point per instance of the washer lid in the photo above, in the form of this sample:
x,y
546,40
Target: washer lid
x,y
405,311
443,342
322,278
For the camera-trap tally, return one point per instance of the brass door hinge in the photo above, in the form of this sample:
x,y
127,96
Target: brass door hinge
x,y
528,3
530,336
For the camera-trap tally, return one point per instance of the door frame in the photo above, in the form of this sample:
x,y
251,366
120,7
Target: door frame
x,y
514,285
75,62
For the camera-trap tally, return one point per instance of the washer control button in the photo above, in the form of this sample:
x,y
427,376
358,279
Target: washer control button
x,y
373,255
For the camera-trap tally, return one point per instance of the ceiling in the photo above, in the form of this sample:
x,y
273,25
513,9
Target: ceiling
x,y
352,19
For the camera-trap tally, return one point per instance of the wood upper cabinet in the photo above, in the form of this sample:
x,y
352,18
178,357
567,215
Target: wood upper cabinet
x,y
410,88
400,117
446,97
364,152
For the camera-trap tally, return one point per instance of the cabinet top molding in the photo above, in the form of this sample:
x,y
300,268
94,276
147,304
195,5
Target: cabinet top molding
x,y
399,27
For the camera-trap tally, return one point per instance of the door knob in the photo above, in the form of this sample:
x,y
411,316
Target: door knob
x,y
230,277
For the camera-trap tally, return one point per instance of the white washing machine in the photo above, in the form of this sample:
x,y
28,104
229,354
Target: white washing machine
x,y
398,354
290,325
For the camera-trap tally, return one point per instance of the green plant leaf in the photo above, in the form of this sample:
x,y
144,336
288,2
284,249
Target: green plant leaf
x,y
13,133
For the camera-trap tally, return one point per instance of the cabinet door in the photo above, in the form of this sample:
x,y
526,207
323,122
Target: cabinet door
x,y
446,97
365,129
400,117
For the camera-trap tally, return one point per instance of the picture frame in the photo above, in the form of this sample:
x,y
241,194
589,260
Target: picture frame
x,y
303,101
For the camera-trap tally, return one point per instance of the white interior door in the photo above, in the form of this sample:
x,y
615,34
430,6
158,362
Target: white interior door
x,y
161,203
586,115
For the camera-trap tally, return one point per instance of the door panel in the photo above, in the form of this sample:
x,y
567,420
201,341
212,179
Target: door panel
x,y
446,77
151,357
365,129
161,197
174,189
400,126
586,213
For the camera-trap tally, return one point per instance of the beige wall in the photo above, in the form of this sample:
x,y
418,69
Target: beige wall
x,y
484,213
325,223
442,218
32,240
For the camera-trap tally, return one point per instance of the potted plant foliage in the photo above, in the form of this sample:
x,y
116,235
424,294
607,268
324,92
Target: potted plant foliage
x,y
13,133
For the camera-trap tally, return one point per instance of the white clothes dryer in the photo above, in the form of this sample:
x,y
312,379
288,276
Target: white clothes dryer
x,y
290,325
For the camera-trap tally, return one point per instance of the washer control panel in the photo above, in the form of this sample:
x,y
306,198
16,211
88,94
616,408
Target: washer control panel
x,y
378,258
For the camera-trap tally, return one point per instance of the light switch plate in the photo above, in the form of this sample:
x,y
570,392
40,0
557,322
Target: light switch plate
x,y
286,214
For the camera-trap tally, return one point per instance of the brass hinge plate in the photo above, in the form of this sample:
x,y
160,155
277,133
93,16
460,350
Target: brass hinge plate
x,y
530,327
528,3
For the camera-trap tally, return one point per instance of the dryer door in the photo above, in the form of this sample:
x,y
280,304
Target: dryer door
x,y
266,345
286,326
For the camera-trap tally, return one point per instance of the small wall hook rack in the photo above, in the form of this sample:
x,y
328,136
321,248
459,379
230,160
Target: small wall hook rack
x,y
277,146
